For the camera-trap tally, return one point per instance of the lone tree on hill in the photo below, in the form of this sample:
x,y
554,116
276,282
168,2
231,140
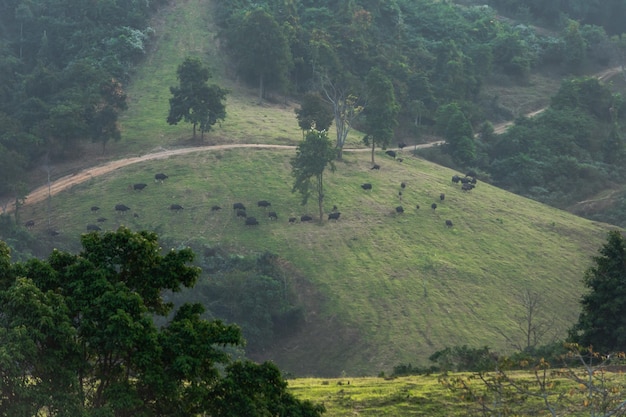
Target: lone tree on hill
x,y
602,322
313,154
195,101
381,111
77,338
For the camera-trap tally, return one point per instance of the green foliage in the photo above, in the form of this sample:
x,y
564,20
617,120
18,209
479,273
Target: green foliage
x,y
313,155
464,358
381,110
78,337
195,101
457,131
314,113
601,322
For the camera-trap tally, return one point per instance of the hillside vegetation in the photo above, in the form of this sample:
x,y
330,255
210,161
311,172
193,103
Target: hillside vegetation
x,y
378,288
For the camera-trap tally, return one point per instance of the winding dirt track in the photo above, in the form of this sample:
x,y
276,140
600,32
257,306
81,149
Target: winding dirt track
x,y
41,193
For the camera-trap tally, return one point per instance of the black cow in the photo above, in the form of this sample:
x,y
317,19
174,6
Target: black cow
x,y
93,228
467,187
160,177
306,218
292,219
176,207
101,219
433,206
241,213
239,206
29,224
366,186
401,145
403,185
95,208
263,203
449,223
272,215
121,207
215,208
471,174
139,186
251,221
399,209
456,179
375,166
417,206
334,216
391,153
442,196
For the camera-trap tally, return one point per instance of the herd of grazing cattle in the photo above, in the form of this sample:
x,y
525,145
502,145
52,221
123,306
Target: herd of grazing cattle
x,y
264,207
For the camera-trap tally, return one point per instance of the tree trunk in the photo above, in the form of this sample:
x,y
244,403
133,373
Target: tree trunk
x,y
194,130
373,148
320,197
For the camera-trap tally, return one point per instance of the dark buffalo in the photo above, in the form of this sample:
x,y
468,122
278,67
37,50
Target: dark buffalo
x,y
403,185
292,219
160,177
101,219
449,223
251,221
433,206
29,224
334,216
417,206
139,186
400,209
456,179
93,228
366,186
95,208
272,215
401,145
467,187
239,206
306,218
471,174
263,204
241,213
391,153
375,166
215,208
442,196
121,207
176,207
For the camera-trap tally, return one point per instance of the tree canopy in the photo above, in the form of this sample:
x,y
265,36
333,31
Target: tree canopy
x,y
602,321
77,338
313,155
194,100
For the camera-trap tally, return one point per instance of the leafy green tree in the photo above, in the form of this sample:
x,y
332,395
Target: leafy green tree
x,y
261,50
195,101
314,113
313,155
602,321
77,335
457,130
381,111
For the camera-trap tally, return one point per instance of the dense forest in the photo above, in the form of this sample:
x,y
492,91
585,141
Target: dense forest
x,y
65,64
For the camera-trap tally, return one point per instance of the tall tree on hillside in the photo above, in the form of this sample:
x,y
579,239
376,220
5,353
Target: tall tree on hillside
x,y
452,123
602,321
381,111
313,155
194,100
261,50
77,337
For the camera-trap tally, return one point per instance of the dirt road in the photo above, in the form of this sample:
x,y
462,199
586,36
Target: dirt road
x,y
41,193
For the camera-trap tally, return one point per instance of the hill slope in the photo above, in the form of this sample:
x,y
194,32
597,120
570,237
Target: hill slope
x,y
379,288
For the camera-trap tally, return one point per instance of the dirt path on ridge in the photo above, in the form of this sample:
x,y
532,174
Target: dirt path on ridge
x,y
41,193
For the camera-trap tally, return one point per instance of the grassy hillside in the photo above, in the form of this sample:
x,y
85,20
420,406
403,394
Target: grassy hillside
x,y
381,288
